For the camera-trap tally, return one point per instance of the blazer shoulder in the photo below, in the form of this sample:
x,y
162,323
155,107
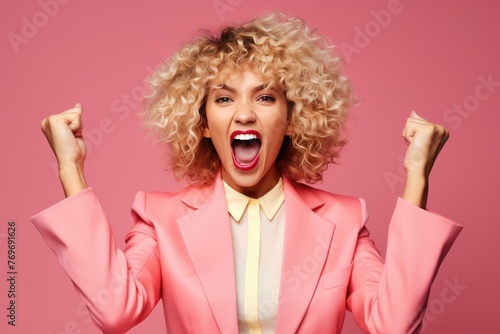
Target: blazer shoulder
x,y
173,204
329,198
332,204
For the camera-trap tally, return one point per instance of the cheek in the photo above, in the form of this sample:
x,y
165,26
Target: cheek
x,y
216,126
278,124
276,133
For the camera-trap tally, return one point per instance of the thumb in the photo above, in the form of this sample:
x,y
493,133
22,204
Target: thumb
x,y
76,121
413,114
78,107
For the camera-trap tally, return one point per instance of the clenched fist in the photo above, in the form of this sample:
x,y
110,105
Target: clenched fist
x,y
64,134
425,140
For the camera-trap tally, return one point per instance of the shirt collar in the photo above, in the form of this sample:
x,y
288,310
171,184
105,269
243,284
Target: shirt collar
x,y
270,202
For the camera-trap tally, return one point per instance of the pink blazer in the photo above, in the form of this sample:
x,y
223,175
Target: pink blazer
x,y
180,250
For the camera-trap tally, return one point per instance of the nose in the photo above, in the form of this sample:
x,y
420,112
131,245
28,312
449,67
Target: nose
x,y
244,113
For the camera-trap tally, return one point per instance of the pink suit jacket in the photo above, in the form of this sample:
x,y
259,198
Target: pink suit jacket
x,y
180,250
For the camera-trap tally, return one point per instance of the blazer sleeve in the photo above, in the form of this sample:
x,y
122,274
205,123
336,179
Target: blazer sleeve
x,y
391,297
119,288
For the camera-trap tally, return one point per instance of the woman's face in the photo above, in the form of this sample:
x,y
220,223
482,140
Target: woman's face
x,y
247,123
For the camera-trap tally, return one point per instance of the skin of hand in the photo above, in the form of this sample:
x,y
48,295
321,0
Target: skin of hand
x,y
64,134
425,140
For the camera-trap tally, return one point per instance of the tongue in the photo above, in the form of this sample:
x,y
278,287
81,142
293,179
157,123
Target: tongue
x,y
246,151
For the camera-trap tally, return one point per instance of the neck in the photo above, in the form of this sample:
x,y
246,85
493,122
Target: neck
x,y
262,187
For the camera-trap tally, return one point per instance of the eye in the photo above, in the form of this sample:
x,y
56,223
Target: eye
x,y
223,99
266,98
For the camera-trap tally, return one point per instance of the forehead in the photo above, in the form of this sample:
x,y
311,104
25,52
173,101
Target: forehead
x,y
241,77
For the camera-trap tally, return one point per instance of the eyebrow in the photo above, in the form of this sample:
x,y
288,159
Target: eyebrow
x,y
233,90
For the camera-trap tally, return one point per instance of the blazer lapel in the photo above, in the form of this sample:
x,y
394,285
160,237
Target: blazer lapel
x,y
207,236
307,242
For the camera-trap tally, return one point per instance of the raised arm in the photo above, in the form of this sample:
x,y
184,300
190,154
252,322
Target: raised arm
x,y
391,297
119,288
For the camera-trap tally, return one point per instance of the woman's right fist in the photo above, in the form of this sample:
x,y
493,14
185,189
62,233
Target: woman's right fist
x,y
64,134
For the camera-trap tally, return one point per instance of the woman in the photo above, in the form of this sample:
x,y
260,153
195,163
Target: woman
x,y
246,248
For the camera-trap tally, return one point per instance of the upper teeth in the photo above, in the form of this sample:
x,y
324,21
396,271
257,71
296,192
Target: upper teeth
x,y
245,136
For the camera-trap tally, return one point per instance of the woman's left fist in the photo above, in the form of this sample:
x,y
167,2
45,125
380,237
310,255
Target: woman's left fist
x,y
425,140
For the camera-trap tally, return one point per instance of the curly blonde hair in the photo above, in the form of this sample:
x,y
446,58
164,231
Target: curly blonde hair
x,y
284,51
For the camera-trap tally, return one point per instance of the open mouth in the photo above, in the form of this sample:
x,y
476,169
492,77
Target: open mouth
x,y
245,149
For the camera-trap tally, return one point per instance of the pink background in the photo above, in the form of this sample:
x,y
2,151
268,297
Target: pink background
x,y
430,56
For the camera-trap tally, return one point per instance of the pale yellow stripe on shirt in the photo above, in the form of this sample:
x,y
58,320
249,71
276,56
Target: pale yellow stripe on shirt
x,y
252,268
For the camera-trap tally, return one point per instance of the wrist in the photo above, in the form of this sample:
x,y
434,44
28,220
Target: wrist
x,y
72,178
416,190
417,178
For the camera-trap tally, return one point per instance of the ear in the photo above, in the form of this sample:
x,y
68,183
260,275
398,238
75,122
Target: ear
x,y
289,130
206,133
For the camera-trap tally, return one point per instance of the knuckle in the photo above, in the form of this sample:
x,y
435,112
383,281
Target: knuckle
x,y
51,118
441,130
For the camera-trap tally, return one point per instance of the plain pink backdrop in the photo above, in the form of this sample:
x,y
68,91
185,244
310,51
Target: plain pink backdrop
x,y
434,57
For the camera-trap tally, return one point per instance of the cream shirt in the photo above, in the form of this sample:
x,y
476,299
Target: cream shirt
x,y
272,217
